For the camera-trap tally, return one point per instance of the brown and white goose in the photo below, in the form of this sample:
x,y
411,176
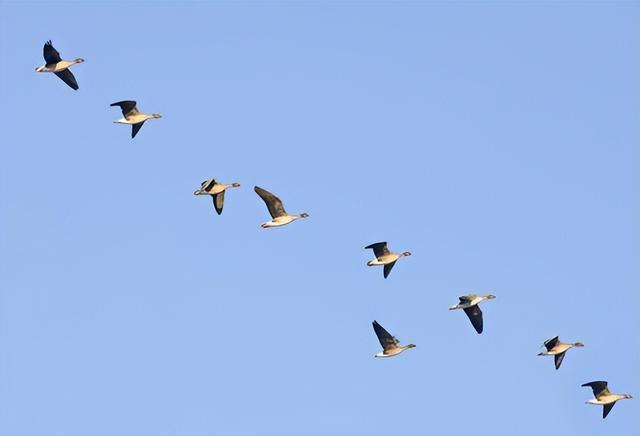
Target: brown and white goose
x,y
216,191
469,303
384,257
55,64
390,345
557,349
279,216
131,115
604,397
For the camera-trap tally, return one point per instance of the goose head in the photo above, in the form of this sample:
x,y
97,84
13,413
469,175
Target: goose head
x,y
303,215
578,344
78,61
406,253
410,346
235,185
627,396
156,115
489,297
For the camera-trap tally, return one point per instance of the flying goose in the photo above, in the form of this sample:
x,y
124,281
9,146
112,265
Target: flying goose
x,y
604,397
557,349
384,256
469,303
133,116
216,191
390,345
55,64
276,209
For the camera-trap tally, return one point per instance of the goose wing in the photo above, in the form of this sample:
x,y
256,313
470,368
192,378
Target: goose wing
x,y
379,249
464,299
273,203
558,359
68,78
51,55
475,316
218,201
607,408
135,128
387,341
598,387
208,184
387,269
550,343
128,107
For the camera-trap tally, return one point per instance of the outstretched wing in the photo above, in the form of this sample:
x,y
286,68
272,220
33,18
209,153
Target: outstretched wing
x,y
51,55
68,78
466,298
475,316
128,107
607,408
387,269
379,249
598,387
135,128
273,203
208,184
218,202
550,343
386,340
558,359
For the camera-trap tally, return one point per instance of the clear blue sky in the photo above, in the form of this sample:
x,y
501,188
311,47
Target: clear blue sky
x,y
499,142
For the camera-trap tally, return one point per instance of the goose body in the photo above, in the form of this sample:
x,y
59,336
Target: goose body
x,y
469,303
558,349
390,345
132,116
384,257
55,64
603,397
279,217
216,191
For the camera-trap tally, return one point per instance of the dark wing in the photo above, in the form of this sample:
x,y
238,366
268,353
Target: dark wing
x,y
550,343
387,269
386,340
218,202
68,78
51,55
127,106
135,128
607,408
208,186
273,203
558,359
475,316
598,387
466,298
379,249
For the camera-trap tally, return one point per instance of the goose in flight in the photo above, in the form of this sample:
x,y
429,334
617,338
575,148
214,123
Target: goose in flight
x,y
604,397
384,257
557,349
390,345
131,115
279,216
55,64
216,191
469,303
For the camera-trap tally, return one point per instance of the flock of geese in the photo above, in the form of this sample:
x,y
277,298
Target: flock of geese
x,y
279,217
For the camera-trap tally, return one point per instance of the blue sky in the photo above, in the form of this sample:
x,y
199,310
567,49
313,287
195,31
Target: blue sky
x,y
496,141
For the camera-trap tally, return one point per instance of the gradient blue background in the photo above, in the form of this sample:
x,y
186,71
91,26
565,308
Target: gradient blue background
x,y
499,142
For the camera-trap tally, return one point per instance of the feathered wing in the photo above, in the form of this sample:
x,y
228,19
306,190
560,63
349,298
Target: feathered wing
x,y
68,78
379,249
598,387
558,359
51,55
218,201
127,106
607,408
386,340
475,316
135,128
550,343
387,269
273,203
